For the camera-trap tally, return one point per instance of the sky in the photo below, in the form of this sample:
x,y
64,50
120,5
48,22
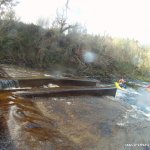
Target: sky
x,y
117,18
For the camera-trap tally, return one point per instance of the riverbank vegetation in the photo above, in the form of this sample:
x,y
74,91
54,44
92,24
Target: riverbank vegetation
x,y
69,46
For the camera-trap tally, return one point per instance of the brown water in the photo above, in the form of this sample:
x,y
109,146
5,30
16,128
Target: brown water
x,y
56,123
69,123
28,128
86,123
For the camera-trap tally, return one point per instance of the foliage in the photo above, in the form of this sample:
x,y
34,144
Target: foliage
x,y
34,46
70,46
6,8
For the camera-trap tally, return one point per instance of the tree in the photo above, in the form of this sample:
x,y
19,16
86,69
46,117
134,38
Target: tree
x,y
7,14
61,20
6,7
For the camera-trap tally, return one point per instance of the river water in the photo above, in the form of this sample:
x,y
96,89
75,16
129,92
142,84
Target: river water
x,y
138,99
76,123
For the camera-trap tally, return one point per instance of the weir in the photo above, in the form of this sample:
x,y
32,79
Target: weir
x,y
59,81
34,108
66,87
69,92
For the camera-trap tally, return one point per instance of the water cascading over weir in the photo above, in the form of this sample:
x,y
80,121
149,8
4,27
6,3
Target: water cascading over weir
x,y
6,84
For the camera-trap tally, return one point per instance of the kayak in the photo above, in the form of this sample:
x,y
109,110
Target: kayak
x,y
118,86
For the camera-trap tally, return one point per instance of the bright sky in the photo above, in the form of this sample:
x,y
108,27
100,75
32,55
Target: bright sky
x,y
118,18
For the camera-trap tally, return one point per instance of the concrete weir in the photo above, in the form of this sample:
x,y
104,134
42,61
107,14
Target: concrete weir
x,y
70,92
65,87
59,81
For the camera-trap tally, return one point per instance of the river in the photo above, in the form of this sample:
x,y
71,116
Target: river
x,y
76,123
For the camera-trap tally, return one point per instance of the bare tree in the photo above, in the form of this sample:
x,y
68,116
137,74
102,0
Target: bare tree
x,y
61,20
6,7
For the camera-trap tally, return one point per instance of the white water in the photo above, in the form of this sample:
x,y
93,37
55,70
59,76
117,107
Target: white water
x,y
138,99
6,84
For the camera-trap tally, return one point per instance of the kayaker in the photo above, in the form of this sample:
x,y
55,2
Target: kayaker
x,y
148,88
122,83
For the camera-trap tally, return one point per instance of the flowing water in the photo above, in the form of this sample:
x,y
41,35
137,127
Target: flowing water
x,y
76,123
138,99
7,84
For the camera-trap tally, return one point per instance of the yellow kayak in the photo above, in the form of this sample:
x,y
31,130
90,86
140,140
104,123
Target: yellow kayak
x,y
118,86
